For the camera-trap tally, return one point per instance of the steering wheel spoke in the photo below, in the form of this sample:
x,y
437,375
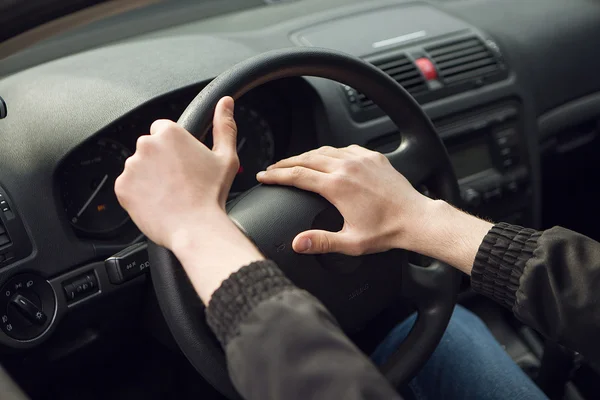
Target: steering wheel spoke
x,y
417,159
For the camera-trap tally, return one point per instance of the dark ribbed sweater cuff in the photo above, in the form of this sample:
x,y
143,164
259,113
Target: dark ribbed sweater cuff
x,y
240,294
500,262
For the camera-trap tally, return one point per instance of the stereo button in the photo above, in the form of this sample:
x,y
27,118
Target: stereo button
x,y
471,197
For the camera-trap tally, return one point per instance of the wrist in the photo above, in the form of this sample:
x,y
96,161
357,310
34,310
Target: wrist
x,y
211,250
448,234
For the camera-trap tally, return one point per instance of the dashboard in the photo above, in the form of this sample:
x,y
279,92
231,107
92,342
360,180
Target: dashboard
x,y
491,75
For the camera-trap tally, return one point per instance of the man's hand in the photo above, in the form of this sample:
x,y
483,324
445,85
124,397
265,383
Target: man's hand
x,y
381,209
175,188
174,182
378,204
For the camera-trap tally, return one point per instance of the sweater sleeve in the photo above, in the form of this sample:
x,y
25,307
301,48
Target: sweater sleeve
x,y
549,279
281,342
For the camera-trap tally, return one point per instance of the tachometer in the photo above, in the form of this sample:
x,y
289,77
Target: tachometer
x,y
255,146
87,182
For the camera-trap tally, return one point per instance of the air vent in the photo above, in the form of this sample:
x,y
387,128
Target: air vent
x,y
403,71
463,59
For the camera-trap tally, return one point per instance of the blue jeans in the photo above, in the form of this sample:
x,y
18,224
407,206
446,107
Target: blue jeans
x,y
468,364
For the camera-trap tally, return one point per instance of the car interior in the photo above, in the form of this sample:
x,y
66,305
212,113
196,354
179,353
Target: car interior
x,y
509,87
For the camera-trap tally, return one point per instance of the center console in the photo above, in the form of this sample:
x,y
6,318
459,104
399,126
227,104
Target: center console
x,y
490,158
491,162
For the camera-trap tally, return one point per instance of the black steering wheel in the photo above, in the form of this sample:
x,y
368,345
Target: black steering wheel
x,y
354,289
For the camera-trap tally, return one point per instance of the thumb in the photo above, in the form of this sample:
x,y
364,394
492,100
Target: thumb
x,y
318,242
224,127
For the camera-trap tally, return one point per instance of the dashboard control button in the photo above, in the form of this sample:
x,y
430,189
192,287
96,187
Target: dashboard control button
x,y
81,286
27,306
69,291
512,186
492,194
471,197
427,68
128,263
28,309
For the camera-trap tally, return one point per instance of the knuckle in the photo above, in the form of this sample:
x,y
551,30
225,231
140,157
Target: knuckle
x,y
326,149
354,147
336,185
131,162
144,143
307,157
161,125
351,165
296,172
324,245
377,157
232,162
121,189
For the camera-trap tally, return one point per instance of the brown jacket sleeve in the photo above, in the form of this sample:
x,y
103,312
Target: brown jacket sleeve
x,y
281,342
549,279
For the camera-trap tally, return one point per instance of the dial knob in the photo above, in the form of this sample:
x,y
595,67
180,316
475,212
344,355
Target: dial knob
x,y
27,306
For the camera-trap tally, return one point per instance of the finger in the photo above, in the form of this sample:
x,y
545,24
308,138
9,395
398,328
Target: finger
x,y
224,127
322,151
319,242
300,177
161,125
314,161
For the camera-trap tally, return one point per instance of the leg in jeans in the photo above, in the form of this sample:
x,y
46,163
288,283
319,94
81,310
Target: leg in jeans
x,y
468,364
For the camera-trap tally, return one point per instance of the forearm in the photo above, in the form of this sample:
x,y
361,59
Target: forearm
x,y
281,343
227,252
449,235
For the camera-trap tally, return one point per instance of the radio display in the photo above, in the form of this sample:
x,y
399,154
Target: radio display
x,y
470,159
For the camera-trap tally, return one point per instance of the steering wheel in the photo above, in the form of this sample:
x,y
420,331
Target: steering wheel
x,y
354,289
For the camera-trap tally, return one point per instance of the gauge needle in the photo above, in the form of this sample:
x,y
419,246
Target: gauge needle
x,y
241,144
87,203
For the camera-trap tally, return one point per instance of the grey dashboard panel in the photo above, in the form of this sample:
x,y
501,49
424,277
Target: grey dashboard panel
x,y
389,27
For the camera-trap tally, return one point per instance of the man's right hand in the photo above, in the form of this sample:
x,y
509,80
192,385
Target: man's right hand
x,y
381,209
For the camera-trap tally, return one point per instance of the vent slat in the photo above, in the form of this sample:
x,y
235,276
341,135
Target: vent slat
x,y
412,82
472,74
466,67
463,59
387,65
460,53
452,47
403,71
406,76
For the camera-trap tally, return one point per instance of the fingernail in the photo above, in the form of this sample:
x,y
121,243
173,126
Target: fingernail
x,y
260,174
304,244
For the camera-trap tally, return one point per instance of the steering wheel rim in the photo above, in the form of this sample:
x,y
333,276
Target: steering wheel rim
x,y
421,157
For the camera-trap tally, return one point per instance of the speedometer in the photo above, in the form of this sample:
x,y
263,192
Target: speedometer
x,y
87,182
255,147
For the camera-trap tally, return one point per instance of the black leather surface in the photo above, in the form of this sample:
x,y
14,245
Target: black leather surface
x,y
263,212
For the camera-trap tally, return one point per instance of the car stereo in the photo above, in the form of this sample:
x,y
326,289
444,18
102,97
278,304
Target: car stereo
x,y
490,161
